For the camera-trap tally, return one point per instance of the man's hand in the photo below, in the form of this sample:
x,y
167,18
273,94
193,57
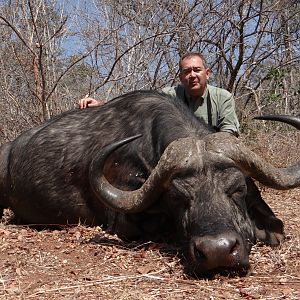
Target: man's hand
x,y
90,102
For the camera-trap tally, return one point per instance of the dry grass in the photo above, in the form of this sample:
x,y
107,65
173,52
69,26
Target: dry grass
x,y
86,263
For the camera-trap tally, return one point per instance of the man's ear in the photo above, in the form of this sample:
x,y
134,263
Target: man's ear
x,y
180,76
208,73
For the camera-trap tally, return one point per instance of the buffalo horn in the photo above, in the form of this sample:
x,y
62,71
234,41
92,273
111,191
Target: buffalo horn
x,y
228,146
179,155
291,120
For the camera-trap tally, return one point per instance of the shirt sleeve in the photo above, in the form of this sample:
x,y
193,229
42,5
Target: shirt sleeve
x,y
227,119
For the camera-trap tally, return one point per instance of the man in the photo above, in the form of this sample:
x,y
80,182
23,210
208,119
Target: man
x,y
215,105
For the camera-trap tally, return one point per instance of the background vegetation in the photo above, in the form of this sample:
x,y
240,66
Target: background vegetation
x,y
53,53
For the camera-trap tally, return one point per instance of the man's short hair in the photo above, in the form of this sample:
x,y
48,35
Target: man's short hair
x,y
189,55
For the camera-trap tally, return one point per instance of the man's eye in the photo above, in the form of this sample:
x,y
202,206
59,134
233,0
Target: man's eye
x,y
186,71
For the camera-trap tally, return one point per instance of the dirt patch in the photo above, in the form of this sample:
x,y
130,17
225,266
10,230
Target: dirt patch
x,y
86,263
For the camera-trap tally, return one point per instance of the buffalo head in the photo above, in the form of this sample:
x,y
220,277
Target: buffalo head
x,y
203,185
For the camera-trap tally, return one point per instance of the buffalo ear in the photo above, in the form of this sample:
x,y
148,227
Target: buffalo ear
x,y
268,228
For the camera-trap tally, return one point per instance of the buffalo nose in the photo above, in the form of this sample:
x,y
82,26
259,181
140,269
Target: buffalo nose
x,y
223,251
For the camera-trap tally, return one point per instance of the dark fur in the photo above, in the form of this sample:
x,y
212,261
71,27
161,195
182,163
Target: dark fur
x,y
44,175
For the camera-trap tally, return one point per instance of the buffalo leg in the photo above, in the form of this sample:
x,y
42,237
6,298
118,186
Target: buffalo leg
x,y
268,228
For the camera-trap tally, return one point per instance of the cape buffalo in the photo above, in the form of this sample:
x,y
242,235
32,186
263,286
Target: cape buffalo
x,y
144,167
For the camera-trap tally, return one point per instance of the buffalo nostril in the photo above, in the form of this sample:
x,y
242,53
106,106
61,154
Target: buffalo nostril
x,y
219,251
235,248
199,255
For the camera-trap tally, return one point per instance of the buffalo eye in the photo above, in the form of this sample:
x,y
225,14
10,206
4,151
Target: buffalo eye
x,y
184,174
180,190
237,193
177,201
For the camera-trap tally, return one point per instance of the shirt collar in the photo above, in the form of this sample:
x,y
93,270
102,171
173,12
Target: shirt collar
x,y
200,98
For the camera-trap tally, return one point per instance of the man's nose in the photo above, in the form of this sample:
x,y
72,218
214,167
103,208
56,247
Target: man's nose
x,y
192,74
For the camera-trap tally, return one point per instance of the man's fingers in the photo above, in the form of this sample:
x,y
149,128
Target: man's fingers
x,y
90,102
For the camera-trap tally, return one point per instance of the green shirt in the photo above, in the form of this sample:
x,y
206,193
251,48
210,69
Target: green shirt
x,y
223,115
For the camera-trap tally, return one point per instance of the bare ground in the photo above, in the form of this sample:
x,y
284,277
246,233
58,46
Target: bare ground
x,y
86,263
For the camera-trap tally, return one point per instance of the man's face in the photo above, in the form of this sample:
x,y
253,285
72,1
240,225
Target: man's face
x,y
194,75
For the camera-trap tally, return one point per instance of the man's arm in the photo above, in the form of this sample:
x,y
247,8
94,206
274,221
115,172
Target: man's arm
x,y
228,120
